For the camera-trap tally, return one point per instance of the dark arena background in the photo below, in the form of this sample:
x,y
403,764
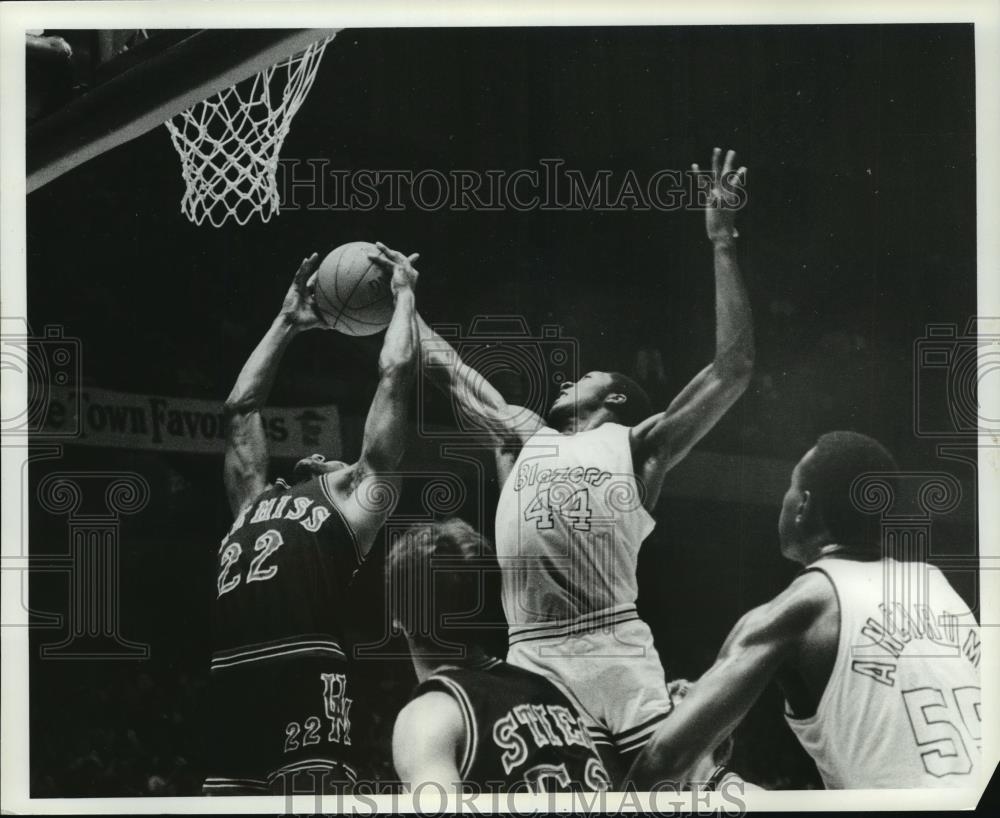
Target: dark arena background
x,y
858,233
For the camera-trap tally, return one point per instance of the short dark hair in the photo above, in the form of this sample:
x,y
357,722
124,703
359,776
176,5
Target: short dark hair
x,y
838,459
428,580
637,406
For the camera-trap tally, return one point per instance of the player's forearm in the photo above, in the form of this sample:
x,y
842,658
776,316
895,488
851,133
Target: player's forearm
x,y
253,385
398,359
734,341
385,428
441,359
475,396
718,702
668,758
438,358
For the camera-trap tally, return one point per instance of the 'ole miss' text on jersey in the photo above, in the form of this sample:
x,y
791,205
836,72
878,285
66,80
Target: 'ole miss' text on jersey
x,y
280,696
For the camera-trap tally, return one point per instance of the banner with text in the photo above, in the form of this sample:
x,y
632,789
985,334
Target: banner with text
x,y
102,417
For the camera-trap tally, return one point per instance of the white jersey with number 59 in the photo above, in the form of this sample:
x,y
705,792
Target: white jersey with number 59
x,y
902,706
569,525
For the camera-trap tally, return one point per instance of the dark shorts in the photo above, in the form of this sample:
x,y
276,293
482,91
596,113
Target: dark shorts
x,y
280,723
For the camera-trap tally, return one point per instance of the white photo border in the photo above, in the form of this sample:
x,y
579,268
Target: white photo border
x,y
16,18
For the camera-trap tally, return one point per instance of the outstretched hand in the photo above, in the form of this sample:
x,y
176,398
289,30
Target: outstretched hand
x,y
399,266
299,307
720,216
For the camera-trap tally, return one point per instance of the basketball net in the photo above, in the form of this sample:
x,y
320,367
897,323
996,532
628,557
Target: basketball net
x,y
229,144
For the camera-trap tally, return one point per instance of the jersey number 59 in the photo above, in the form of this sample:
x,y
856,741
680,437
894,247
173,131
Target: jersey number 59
x,y
938,723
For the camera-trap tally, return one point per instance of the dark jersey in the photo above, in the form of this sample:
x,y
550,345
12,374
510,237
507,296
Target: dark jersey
x,y
521,733
281,698
283,570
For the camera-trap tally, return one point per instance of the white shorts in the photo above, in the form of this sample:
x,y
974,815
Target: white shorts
x,y
607,666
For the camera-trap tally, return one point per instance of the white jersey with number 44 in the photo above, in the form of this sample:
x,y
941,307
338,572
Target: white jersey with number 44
x,y
902,707
569,525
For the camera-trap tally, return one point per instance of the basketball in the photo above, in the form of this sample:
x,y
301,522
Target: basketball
x,y
352,292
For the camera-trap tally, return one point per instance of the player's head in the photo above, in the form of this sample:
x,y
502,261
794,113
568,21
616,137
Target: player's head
x,y
817,509
435,573
313,466
618,393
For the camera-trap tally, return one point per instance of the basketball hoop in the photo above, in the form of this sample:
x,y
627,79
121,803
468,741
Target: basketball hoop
x,y
229,144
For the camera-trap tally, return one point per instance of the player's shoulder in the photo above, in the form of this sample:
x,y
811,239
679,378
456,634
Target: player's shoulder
x,y
793,612
810,587
278,487
807,597
338,481
430,710
504,671
348,480
508,682
372,488
431,721
613,429
523,423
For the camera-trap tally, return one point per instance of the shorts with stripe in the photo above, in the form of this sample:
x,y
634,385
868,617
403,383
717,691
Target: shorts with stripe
x,y
281,719
607,665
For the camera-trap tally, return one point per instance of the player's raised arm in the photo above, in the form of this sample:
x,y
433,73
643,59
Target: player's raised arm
x,y
665,438
755,649
367,495
245,469
478,400
474,396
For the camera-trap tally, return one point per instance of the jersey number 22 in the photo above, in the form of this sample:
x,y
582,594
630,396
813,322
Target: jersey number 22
x,y
267,543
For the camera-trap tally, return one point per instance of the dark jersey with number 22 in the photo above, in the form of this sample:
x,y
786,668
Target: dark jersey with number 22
x,y
281,701
521,733
283,569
